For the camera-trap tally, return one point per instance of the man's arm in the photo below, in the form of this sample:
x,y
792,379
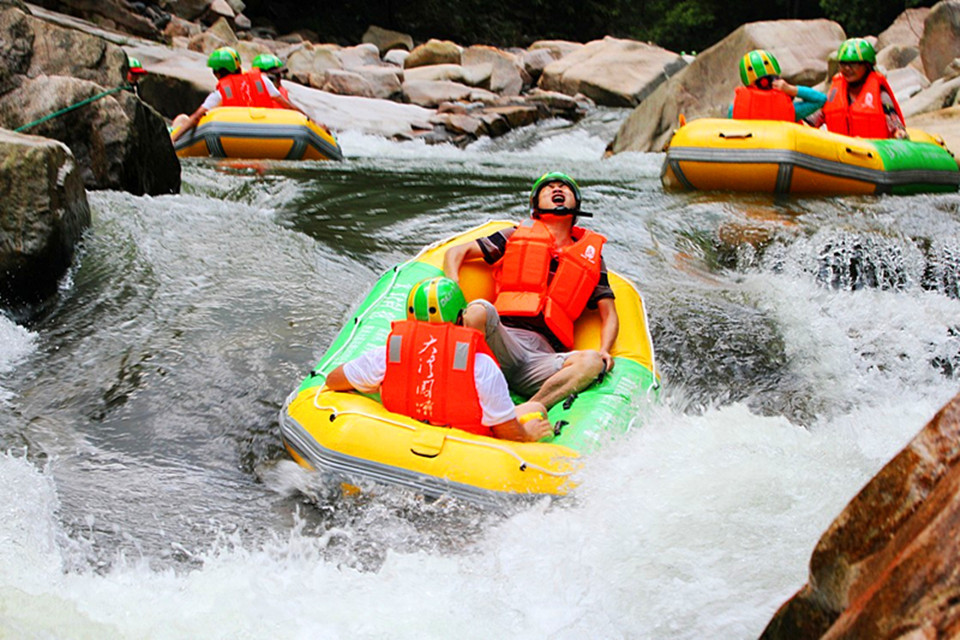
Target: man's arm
x,y
190,123
337,380
609,328
525,427
455,255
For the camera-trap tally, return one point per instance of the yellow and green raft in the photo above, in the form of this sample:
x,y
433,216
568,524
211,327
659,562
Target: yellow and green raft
x,y
784,157
258,133
353,437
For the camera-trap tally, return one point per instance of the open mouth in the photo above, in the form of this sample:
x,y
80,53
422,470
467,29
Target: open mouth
x,y
558,198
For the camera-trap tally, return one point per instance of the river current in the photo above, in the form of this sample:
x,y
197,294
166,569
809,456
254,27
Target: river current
x,y
802,343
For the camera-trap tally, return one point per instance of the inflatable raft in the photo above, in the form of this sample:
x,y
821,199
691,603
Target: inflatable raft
x,y
258,133
354,438
784,157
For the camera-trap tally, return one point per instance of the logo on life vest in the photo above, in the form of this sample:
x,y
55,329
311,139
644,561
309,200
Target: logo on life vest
x,y
590,253
868,100
427,355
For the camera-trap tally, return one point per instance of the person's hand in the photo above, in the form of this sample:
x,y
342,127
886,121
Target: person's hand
x,y
536,428
607,360
901,134
782,85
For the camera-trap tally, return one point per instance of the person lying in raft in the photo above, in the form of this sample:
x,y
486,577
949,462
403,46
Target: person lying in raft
x,y
549,272
766,96
860,102
234,89
435,370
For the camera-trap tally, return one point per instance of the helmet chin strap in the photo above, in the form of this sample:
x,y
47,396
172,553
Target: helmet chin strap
x,y
561,211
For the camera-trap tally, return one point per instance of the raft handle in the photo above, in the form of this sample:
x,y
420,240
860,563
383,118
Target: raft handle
x,y
732,136
858,152
557,427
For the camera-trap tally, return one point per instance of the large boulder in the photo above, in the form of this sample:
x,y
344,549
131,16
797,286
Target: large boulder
x,y
906,30
944,123
118,142
706,87
889,565
940,43
308,65
612,71
43,214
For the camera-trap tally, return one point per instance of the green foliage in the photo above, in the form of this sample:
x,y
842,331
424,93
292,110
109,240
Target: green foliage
x,y
675,24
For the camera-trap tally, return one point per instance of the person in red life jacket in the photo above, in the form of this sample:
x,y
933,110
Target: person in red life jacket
x,y
860,102
548,272
234,89
436,370
766,96
135,72
272,67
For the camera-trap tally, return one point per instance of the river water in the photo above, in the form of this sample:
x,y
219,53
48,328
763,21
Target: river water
x,y
802,343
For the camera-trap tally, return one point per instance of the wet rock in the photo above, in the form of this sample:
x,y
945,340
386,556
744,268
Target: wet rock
x,y
118,142
43,214
889,565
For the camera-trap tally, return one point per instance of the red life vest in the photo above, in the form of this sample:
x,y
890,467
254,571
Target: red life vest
x,y
753,103
430,375
864,118
244,90
524,286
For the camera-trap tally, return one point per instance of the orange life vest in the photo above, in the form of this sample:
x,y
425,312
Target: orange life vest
x,y
244,90
864,118
524,285
430,375
753,103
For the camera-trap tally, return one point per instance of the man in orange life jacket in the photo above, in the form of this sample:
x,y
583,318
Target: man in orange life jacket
x,y
548,272
436,370
234,89
766,96
860,102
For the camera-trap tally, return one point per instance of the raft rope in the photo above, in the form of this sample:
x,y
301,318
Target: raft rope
x,y
71,108
497,447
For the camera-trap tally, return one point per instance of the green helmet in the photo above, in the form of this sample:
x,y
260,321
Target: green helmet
x,y
757,64
268,62
135,67
856,50
435,300
224,58
547,178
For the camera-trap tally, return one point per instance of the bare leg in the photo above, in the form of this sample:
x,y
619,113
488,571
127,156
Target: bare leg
x,y
578,372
